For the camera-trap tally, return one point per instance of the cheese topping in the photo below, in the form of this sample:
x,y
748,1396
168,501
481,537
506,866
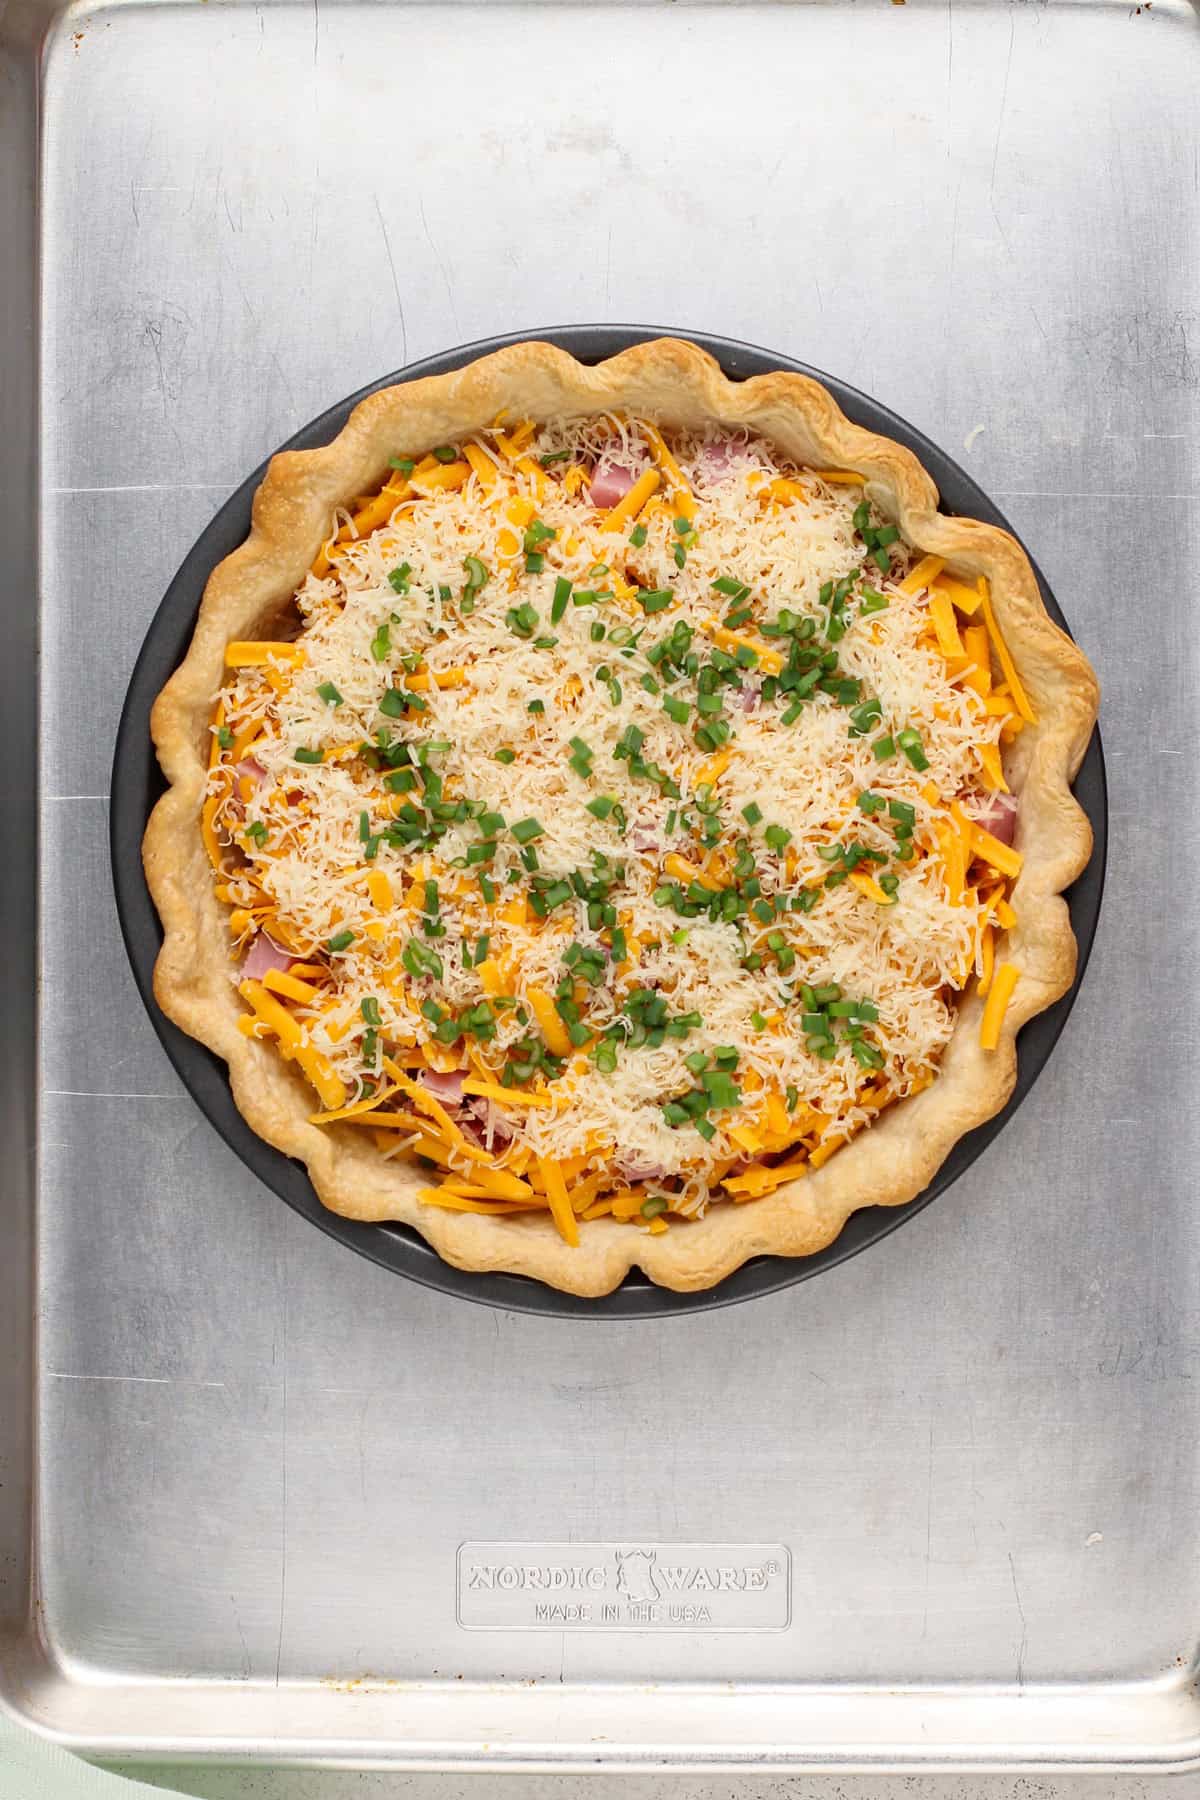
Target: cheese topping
x,y
615,859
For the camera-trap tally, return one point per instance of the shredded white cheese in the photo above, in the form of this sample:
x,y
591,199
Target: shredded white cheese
x,y
507,694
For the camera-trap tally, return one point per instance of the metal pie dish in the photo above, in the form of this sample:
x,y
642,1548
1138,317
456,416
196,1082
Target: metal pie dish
x,y
137,783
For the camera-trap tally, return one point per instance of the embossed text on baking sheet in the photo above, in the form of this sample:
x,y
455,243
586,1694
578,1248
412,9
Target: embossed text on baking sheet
x,y
630,1586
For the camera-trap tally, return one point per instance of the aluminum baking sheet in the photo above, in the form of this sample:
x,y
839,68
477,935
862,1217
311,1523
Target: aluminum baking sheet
x,y
264,1469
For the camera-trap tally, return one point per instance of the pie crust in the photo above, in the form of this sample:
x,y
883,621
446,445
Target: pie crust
x,y
679,385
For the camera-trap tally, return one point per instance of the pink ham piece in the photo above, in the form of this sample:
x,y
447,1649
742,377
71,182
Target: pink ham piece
x,y
716,459
610,483
254,770
263,955
471,1127
487,1126
1000,817
635,1171
446,1087
748,696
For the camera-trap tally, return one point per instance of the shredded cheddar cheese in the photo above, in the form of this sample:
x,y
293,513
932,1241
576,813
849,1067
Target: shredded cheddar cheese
x,y
617,861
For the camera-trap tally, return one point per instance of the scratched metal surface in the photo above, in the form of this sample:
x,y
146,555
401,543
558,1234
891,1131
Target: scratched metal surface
x,y
258,1454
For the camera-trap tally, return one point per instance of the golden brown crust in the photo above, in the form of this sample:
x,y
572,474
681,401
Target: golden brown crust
x,y
678,384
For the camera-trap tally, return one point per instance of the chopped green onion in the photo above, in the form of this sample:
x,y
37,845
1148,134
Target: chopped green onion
x,y
328,693
562,593
863,717
341,940
777,837
909,740
676,709
536,707
405,464
525,830
637,536
505,756
420,960
381,643
257,832
370,1011
399,578
477,572
654,600
522,621
393,704
303,755
883,748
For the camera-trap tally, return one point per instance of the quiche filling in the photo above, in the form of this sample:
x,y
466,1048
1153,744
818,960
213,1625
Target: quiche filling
x,y
616,819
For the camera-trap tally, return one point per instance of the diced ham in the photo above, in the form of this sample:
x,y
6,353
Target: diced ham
x,y
471,1127
610,483
636,1171
254,770
444,1086
749,696
716,458
264,954
485,1124
999,817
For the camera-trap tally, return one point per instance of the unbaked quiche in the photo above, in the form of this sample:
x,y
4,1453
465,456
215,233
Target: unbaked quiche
x,y
614,818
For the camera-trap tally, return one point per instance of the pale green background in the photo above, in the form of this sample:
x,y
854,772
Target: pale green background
x,y
31,1770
